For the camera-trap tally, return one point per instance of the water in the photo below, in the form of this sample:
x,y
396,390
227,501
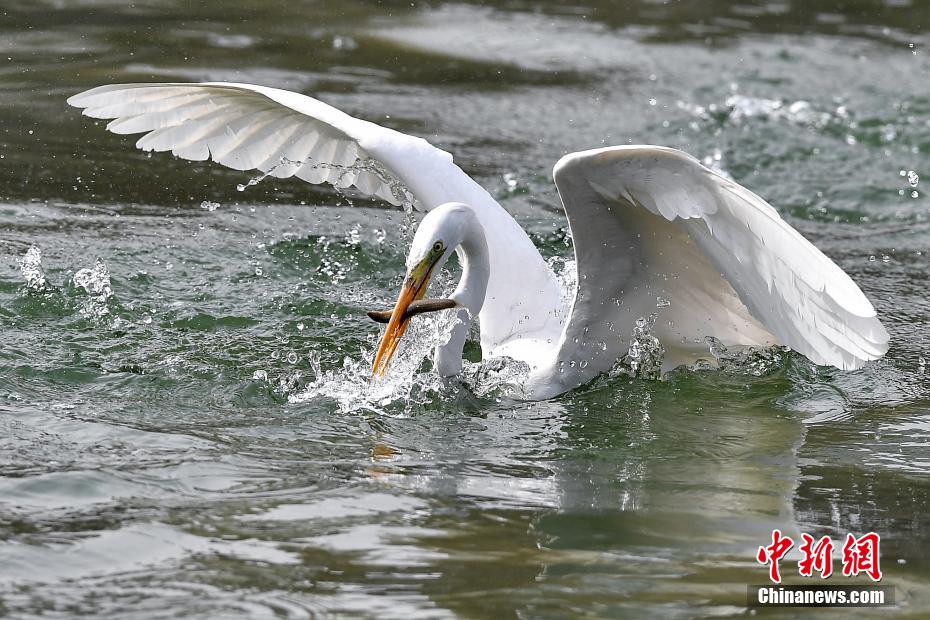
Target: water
x,y
181,431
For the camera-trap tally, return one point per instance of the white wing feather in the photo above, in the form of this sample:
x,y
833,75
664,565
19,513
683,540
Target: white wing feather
x,y
285,134
248,127
652,226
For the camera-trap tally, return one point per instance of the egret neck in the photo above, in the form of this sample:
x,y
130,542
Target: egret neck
x,y
449,227
469,294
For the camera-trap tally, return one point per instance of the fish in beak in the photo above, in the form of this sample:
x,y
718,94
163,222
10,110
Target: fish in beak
x,y
410,302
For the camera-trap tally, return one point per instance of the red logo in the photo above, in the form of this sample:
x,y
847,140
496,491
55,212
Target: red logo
x,y
773,553
860,555
817,557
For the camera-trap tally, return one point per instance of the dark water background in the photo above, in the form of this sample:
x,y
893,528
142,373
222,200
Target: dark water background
x,y
161,455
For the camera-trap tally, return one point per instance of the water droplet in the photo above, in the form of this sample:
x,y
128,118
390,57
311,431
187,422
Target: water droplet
x,y
292,357
912,178
260,375
511,181
652,101
341,42
213,206
662,302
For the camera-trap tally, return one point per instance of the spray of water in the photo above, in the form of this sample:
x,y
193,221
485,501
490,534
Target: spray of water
x,y
753,361
347,174
95,282
30,266
645,354
408,383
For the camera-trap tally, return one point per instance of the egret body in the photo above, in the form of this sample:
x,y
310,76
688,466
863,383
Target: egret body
x,y
654,231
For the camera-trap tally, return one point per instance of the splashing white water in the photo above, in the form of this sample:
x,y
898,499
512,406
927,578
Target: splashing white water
x,y
398,190
503,376
743,360
739,108
96,283
566,274
30,266
645,353
406,380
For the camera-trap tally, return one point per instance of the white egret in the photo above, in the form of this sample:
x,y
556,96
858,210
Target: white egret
x,y
653,231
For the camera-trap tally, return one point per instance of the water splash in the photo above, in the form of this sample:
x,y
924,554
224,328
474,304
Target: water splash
x,y
754,361
739,108
498,376
96,283
30,266
409,380
398,190
913,179
566,274
645,354
336,263
241,187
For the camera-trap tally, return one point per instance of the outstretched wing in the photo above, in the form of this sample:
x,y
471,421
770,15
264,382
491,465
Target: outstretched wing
x,y
277,132
657,232
285,134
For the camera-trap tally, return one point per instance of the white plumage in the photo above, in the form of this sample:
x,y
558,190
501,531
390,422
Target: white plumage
x,y
654,232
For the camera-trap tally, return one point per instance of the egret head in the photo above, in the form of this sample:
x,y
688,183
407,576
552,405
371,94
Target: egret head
x,y
439,234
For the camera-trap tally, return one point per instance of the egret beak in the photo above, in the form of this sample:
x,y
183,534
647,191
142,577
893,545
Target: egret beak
x,y
413,290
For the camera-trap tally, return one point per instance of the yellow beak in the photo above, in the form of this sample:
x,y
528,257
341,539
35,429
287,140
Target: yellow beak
x,y
414,289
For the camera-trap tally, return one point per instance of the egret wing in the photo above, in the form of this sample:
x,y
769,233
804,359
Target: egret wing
x,y
285,134
657,232
277,132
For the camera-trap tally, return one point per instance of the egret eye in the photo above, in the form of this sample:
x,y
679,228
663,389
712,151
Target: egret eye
x,y
438,247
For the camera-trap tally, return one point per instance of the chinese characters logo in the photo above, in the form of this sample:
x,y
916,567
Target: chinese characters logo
x,y
859,555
